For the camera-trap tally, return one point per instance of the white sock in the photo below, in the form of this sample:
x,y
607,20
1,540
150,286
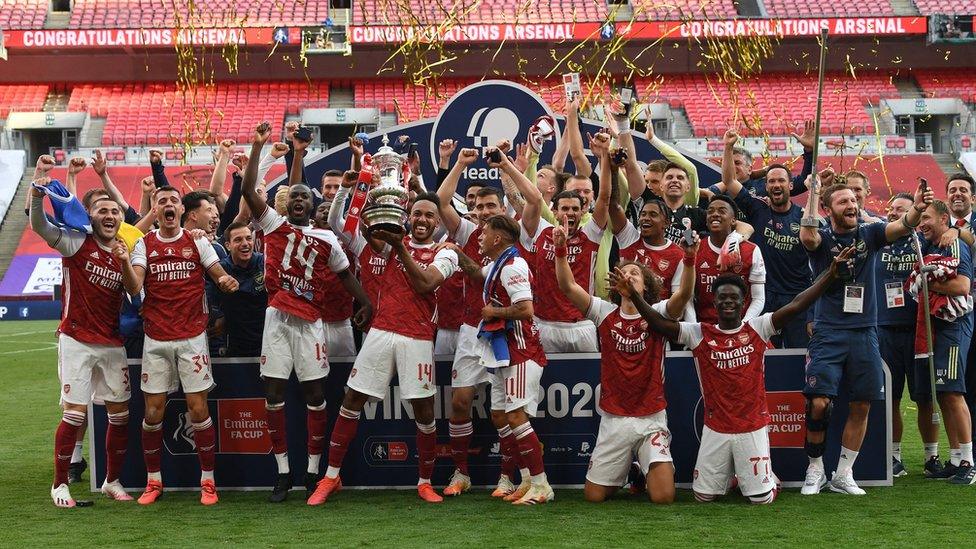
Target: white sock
x,y
955,455
526,475
845,463
896,450
157,476
817,463
332,472
313,463
76,454
931,450
540,478
206,475
423,481
282,460
966,451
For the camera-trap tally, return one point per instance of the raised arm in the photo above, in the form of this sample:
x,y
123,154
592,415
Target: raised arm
x,y
448,188
579,297
533,198
601,207
75,166
338,207
732,185
908,222
809,228
255,202
575,139
297,173
686,289
148,187
423,281
158,170
635,179
664,326
99,166
45,163
39,223
803,300
358,150
219,177
131,281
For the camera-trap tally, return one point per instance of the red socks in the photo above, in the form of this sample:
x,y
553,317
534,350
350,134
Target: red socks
x,y
342,434
315,425
461,434
506,442
64,444
529,448
276,427
204,436
116,441
152,443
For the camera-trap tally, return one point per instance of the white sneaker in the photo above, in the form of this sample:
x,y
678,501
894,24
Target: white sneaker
x,y
815,480
114,490
504,487
538,493
62,496
844,484
459,484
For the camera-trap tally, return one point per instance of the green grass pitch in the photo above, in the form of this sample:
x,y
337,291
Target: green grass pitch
x,y
913,512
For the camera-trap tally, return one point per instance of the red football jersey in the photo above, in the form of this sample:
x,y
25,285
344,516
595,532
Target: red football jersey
x,y
467,237
551,303
514,285
402,310
632,360
298,259
175,306
371,266
93,293
450,298
732,373
337,303
752,269
664,261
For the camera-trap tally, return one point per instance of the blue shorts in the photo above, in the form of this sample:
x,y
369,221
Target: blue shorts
x,y
951,352
794,334
897,345
849,353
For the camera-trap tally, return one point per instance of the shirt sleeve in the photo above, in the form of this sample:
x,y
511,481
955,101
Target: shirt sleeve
x,y
627,236
515,279
446,262
138,255
208,256
338,261
763,325
757,273
357,244
270,220
674,156
528,240
874,235
599,310
593,231
66,242
464,231
689,334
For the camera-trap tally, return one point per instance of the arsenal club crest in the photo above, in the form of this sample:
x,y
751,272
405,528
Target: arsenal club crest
x,y
187,253
743,338
663,264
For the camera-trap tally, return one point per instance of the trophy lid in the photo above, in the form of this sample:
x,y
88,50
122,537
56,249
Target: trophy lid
x,y
386,150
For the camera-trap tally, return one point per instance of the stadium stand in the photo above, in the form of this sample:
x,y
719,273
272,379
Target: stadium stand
x,y
930,7
808,8
780,102
23,14
100,14
958,83
378,12
655,10
22,97
150,113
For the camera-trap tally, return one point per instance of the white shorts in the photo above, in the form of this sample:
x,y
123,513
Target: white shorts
x,y
621,437
567,337
517,386
745,455
446,341
384,353
467,370
168,364
339,340
90,371
290,343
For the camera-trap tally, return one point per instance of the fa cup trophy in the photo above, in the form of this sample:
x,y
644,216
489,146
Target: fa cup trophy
x,y
386,203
